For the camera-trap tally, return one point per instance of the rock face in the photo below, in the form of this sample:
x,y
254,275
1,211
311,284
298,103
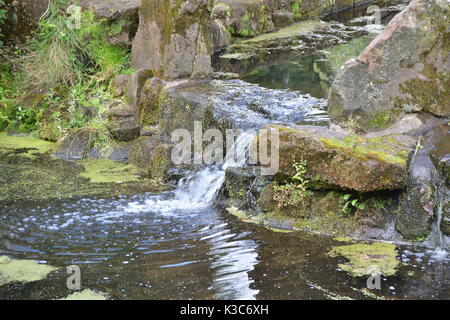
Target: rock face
x,y
299,39
342,160
244,18
425,193
23,16
174,38
112,9
124,14
405,69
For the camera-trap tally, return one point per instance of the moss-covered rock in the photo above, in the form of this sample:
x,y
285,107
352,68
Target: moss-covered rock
x,y
441,157
76,145
404,69
445,223
316,211
419,203
368,259
343,160
174,38
152,156
243,186
149,107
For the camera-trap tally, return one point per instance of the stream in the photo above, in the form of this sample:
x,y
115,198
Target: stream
x,y
179,245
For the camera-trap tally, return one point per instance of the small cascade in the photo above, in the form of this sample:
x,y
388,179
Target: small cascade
x,y
439,237
199,189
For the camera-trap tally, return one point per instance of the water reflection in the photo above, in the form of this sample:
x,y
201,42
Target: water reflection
x,y
233,259
309,74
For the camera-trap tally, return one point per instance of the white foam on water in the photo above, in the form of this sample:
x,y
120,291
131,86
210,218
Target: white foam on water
x,y
199,190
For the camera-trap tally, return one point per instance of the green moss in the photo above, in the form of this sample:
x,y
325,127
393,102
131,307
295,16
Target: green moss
x,y
278,230
358,146
86,294
430,93
29,146
22,270
332,223
104,171
383,119
368,259
296,9
343,239
159,162
236,194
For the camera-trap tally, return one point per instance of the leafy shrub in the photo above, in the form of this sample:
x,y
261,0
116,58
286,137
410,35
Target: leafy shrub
x,y
60,54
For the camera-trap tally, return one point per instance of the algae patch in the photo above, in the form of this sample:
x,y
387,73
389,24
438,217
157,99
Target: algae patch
x,y
368,259
107,171
86,294
29,145
240,215
22,270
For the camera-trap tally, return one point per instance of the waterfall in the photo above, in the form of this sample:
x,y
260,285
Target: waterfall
x,y
439,238
199,189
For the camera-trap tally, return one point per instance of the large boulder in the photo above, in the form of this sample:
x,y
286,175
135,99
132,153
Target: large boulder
x,y
342,160
405,69
174,38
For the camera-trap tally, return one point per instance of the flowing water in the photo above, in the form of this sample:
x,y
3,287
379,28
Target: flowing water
x,y
178,245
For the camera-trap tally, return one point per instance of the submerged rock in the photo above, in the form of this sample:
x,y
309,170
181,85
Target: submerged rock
x,y
22,270
300,39
405,69
368,259
343,160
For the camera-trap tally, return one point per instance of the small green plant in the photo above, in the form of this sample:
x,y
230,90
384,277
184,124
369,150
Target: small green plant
x,y
296,192
351,202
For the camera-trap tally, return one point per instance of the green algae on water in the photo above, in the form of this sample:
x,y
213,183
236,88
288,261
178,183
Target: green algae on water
x,y
107,171
86,294
31,146
368,259
22,270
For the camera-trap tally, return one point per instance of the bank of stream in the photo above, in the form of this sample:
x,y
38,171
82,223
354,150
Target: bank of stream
x,y
176,243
